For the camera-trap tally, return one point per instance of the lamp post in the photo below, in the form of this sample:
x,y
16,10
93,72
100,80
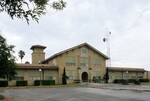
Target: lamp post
x,y
127,75
126,82
40,70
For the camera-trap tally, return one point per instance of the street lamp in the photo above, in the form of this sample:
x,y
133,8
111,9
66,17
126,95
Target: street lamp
x,y
127,74
40,70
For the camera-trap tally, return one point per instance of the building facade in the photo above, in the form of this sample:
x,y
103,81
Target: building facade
x,y
126,73
82,62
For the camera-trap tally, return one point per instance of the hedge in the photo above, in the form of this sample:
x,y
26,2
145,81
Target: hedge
x,y
144,80
44,82
21,83
3,83
98,80
130,80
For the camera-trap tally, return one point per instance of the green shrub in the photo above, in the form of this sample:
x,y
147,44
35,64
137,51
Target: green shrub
x,y
3,83
44,82
144,80
98,80
1,97
21,83
131,80
118,81
125,82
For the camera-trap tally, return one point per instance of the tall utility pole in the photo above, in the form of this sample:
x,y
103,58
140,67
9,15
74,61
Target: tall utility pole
x,y
106,39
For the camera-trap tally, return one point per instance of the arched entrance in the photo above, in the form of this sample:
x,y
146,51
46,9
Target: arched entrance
x,y
84,77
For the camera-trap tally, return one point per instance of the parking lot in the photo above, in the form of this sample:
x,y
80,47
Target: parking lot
x,y
87,93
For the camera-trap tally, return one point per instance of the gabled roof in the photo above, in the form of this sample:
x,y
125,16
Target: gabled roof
x,y
38,46
83,44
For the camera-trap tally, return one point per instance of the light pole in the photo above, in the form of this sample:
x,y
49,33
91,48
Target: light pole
x,y
127,75
127,78
40,70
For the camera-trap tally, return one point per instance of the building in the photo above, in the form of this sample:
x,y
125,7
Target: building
x,y
126,73
82,62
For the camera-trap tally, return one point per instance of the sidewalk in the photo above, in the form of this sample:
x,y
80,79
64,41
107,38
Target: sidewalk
x,y
145,88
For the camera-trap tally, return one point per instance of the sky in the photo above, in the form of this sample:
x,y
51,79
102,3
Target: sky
x,y
87,21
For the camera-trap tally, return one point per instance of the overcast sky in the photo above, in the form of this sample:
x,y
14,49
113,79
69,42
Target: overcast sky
x,y
88,21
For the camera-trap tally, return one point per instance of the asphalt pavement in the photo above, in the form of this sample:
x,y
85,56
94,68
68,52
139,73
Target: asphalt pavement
x,y
87,92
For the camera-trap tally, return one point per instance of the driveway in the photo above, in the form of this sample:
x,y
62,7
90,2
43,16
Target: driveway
x,y
74,94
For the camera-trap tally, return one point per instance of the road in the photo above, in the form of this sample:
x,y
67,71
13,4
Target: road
x,y
74,94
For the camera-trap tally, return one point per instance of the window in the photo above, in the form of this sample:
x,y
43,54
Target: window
x,y
84,62
71,74
97,75
50,78
34,78
96,62
19,78
84,52
70,61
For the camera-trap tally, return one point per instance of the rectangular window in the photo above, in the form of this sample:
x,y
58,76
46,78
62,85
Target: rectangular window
x,y
96,62
84,62
70,61
84,52
19,78
96,75
50,78
34,78
71,74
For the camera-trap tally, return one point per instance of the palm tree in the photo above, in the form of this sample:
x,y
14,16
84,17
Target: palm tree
x,y
21,54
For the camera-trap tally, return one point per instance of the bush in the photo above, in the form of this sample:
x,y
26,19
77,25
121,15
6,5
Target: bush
x,y
44,82
144,80
3,83
98,80
131,80
21,83
125,82
137,82
118,81
1,97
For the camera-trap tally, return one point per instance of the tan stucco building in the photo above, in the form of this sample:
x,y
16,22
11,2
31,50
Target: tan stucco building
x,y
82,62
126,73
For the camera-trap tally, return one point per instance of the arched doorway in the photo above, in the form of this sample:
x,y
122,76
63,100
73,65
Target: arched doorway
x,y
84,77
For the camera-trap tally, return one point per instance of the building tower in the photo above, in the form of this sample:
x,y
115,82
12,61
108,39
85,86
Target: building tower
x,y
38,54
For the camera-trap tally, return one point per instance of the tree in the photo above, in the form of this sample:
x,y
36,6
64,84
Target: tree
x,y
106,76
64,77
26,9
21,54
7,60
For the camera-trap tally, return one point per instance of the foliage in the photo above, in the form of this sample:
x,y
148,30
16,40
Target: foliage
x,y
7,60
98,80
44,82
3,83
64,77
1,97
106,76
22,83
26,9
21,54
144,80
